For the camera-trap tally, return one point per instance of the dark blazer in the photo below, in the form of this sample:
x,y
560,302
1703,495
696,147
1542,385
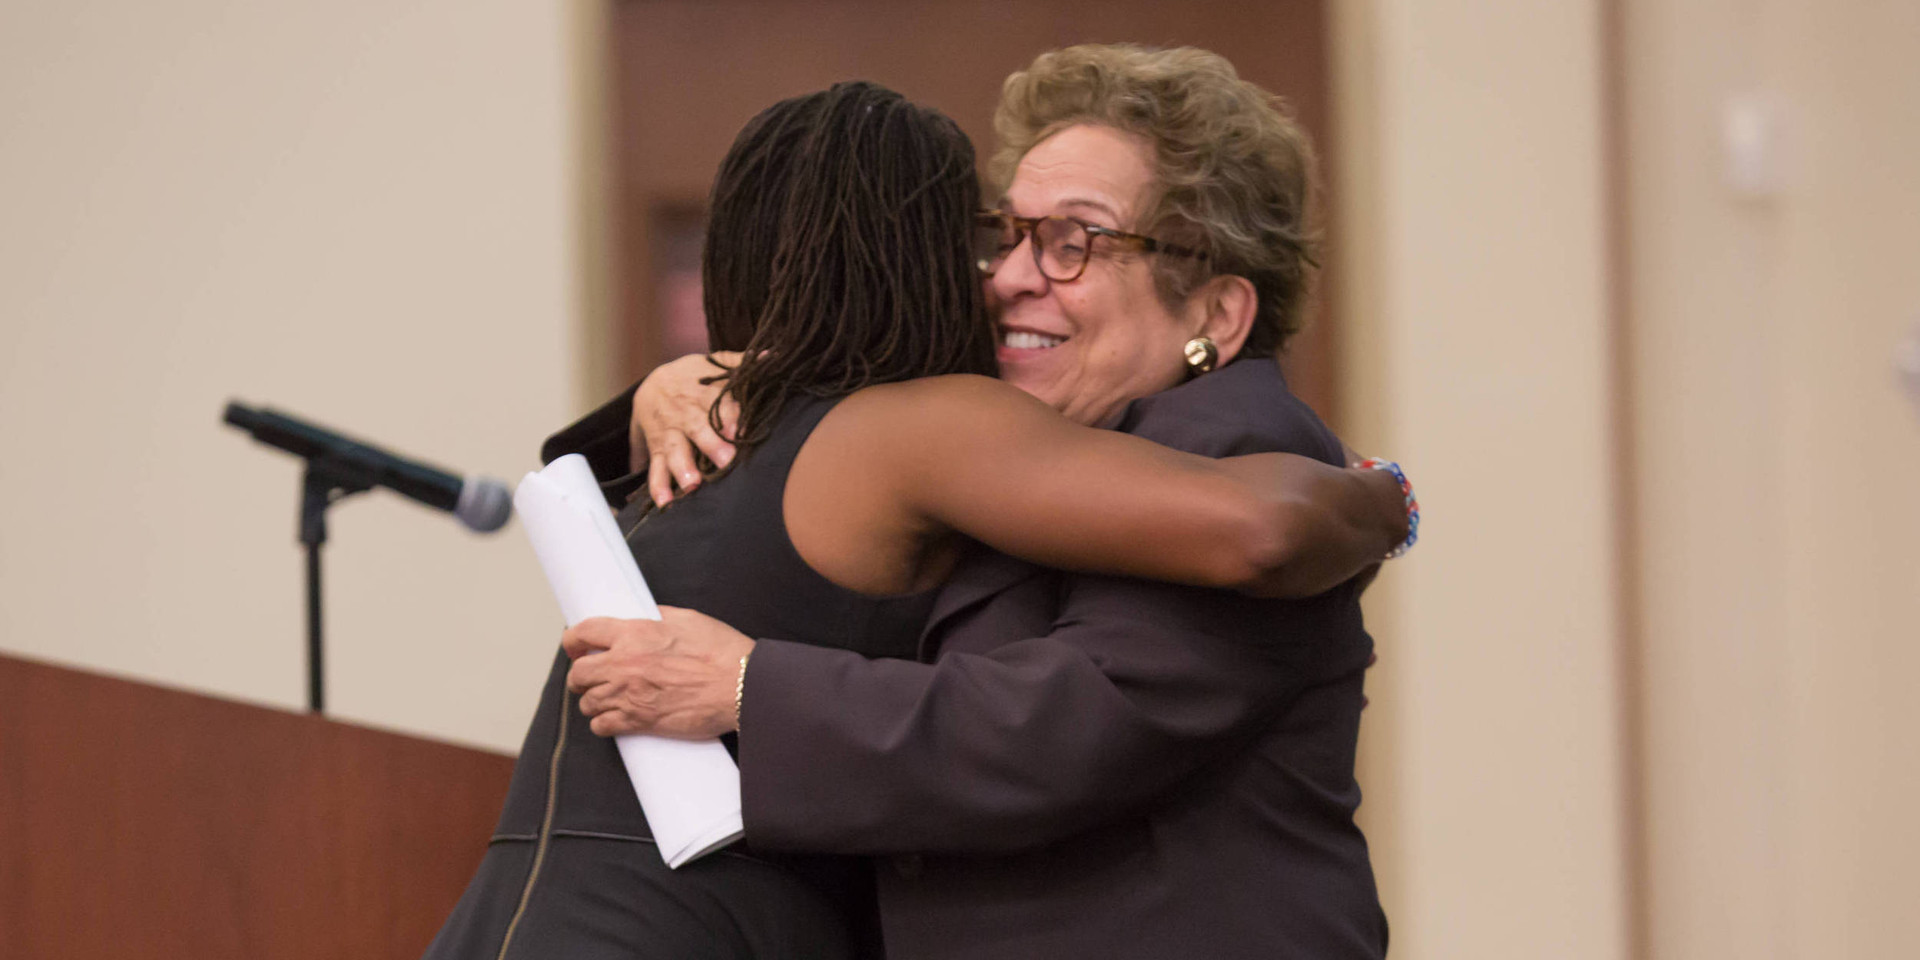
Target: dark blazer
x,y
601,437
1091,766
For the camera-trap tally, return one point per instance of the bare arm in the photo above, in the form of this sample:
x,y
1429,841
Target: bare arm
x,y
981,458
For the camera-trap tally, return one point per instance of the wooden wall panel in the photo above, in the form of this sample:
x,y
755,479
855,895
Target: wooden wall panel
x,y
141,822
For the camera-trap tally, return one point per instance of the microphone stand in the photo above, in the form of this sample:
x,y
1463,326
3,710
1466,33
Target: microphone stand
x,y
327,482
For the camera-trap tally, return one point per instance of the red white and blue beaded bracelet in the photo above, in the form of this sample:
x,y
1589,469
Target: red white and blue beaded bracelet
x,y
1413,506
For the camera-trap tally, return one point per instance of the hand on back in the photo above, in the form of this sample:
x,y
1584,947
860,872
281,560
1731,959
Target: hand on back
x,y
671,420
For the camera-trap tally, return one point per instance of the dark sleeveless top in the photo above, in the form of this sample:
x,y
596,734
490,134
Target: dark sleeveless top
x,y
722,550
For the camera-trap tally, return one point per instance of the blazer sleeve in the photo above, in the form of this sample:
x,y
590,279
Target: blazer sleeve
x,y
601,437
1138,685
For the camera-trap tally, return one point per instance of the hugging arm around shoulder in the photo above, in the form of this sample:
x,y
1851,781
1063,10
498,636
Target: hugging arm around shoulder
x,y
978,457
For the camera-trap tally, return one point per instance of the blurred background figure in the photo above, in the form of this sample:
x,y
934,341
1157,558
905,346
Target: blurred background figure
x,y
1657,250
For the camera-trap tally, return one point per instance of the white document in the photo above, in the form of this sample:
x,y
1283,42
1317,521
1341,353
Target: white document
x,y
689,790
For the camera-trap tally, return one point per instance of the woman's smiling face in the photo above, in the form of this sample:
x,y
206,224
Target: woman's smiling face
x,y
1091,346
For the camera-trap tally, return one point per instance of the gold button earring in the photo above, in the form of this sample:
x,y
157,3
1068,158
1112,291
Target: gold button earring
x,y
1201,356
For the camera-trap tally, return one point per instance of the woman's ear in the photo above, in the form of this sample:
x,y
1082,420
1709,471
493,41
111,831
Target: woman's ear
x,y
1224,309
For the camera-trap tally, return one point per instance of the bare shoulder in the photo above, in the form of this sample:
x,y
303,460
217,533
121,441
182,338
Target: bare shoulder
x,y
951,392
946,405
856,496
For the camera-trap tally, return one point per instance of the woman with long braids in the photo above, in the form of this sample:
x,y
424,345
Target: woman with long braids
x,y
873,446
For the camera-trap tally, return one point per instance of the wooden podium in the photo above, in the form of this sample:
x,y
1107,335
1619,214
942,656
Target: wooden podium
x,y
141,822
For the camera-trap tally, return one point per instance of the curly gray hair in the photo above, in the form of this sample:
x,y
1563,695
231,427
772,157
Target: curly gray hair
x,y
1233,173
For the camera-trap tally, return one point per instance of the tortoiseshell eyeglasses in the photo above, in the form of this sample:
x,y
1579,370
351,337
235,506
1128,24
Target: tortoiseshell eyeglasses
x,y
1061,245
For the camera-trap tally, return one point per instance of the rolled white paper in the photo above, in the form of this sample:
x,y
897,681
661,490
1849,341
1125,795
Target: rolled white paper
x,y
689,790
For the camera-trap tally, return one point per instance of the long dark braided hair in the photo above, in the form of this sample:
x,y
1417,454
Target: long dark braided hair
x,y
838,252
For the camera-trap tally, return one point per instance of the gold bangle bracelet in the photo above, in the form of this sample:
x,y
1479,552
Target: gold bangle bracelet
x,y
740,691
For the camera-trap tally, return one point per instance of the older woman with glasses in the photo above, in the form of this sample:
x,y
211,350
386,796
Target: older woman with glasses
x,y
1078,765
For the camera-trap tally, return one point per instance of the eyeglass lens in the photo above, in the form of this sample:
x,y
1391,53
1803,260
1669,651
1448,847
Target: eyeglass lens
x,y
1060,245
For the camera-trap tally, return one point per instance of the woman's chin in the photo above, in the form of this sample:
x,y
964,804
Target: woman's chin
x,y
1033,371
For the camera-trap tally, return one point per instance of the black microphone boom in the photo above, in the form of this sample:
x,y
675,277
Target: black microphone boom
x,y
482,503
340,467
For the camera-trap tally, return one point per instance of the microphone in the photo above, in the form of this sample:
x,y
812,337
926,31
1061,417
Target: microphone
x,y
482,503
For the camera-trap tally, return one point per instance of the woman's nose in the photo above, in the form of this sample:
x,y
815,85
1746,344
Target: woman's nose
x,y
1019,274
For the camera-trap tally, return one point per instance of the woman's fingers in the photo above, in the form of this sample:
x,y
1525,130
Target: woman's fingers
x,y
590,700
680,462
636,437
659,481
672,465
713,445
607,725
729,418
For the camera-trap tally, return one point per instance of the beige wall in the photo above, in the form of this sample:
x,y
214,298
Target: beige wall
x,y
1776,479
1473,248
358,211
1754,798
